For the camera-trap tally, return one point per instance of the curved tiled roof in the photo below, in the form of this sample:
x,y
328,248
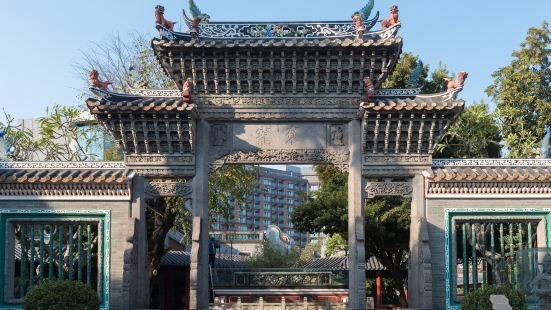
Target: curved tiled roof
x,y
140,104
181,258
436,102
66,176
503,173
280,43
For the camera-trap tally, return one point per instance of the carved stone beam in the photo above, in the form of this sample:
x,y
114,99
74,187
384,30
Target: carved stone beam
x,y
168,189
374,189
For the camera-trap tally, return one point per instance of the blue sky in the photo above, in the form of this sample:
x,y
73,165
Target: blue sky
x,y
43,40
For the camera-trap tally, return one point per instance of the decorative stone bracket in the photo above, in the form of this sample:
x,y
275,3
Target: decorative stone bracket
x,y
168,189
374,189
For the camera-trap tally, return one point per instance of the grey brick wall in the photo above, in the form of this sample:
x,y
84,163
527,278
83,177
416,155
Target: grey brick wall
x,y
119,223
435,219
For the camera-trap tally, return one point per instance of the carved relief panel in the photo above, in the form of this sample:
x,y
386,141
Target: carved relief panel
x,y
219,134
294,142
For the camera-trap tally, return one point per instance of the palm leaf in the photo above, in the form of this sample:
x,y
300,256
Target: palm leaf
x,y
195,11
366,10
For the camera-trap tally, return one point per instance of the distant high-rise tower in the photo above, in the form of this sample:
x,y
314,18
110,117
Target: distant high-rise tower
x,y
276,194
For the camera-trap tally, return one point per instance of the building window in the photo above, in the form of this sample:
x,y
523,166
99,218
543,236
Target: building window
x,y
496,249
290,186
290,201
35,244
290,194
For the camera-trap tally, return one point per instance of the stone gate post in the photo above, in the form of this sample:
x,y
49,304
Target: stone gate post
x,y
199,268
419,269
356,240
140,244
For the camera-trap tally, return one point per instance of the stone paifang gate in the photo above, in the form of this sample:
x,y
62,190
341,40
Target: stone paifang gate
x,y
262,93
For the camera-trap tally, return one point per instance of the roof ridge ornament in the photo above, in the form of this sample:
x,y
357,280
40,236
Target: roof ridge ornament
x,y
161,20
361,16
393,19
416,75
95,82
457,84
200,27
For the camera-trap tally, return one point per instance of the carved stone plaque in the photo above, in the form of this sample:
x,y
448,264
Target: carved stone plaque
x,y
374,189
218,134
279,136
337,135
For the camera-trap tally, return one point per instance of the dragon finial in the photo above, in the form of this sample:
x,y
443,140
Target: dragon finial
x,y
457,84
160,18
96,82
393,19
366,10
369,89
416,74
196,13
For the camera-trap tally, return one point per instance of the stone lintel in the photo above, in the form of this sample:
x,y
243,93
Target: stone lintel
x,y
374,189
281,114
168,189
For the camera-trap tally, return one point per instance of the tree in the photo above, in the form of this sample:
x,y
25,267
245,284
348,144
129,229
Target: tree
x,y
327,210
59,138
474,135
268,255
387,222
310,251
522,93
386,227
336,243
432,82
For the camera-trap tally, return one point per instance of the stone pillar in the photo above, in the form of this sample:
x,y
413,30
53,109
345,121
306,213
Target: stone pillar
x,y
419,269
137,234
356,242
199,267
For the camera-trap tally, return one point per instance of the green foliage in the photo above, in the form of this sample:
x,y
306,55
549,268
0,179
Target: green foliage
x,y
126,62
309,252
387,222
474,135
480,300
434,82
235,181
268,255
61,295
327,210
522,93
58,139
386,227
336,243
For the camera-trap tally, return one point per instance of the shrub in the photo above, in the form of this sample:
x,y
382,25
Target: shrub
x,y
480,300
61,295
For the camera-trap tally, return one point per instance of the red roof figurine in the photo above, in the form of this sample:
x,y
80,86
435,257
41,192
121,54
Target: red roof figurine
x,y
160,18
96,82
392,20
461,77
370,89
186,90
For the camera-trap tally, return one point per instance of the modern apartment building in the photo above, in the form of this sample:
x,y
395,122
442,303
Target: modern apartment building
x,y
276,194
